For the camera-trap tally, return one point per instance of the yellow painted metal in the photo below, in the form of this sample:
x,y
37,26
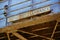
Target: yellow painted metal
x,y
29,22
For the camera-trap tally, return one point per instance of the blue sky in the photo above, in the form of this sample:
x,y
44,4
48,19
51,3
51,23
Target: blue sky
x,y
55,7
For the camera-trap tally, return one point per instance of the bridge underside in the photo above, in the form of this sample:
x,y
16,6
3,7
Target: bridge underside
x,y
38,28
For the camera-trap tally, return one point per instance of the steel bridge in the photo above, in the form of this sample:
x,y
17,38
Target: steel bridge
x,y
37,24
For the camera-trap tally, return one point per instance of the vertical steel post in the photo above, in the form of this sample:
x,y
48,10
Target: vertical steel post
x,y
32,2
6,12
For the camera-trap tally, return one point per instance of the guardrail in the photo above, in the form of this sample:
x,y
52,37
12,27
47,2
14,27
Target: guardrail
x,y
30,10
16,4
28,14
23,7
26,7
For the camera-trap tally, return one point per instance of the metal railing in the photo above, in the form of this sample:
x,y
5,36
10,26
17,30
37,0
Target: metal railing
x,y
16,4
23,7
33,9
28,6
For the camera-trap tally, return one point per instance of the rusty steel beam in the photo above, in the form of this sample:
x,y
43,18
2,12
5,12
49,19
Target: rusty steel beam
x,y
8,36
54,30
35,34
40,29
27,23
19,36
